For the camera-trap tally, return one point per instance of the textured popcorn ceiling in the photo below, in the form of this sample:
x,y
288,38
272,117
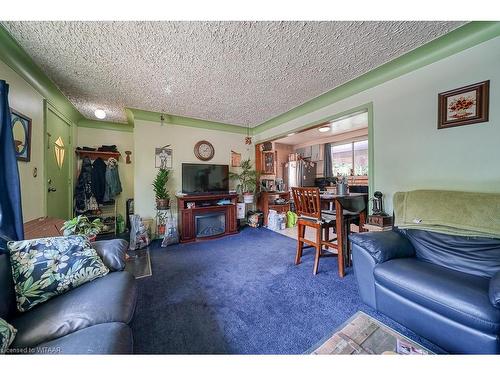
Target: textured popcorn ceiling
x,y
241,73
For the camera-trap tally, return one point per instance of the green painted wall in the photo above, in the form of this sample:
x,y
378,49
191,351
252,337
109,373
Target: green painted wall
x,y
28,101
458,40
409,152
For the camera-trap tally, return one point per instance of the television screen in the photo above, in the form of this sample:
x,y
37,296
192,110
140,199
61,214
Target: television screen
x,y
205,178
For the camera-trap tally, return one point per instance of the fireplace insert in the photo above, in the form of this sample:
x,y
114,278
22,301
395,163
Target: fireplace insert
x,y
210,224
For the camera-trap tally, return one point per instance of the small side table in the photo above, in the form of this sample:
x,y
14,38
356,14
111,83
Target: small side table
x,y
376,228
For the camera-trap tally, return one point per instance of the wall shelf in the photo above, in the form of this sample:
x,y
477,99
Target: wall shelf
x,y
104,155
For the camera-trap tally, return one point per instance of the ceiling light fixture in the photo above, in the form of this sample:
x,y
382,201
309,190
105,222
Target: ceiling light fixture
x,y
324,129
289,135
100,114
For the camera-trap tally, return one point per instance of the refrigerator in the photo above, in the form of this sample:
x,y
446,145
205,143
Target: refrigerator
x,y
300,173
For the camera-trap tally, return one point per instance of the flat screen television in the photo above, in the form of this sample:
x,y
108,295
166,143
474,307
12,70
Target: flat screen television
x,y
205,178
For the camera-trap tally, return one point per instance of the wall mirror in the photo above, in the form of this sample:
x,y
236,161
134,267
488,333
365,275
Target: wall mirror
x,y
21,129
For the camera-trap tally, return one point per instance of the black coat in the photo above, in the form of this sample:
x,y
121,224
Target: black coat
x,y
99,179
83,188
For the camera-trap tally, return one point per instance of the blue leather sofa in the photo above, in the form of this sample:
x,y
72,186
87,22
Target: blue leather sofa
x,y
91,319
444,288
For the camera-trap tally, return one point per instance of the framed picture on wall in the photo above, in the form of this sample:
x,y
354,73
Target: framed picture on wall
x,y
268,162
21,129
163,158
464,106
235,159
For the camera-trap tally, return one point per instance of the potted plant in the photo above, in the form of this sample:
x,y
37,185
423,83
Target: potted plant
x,y
247,181
82,225
160,188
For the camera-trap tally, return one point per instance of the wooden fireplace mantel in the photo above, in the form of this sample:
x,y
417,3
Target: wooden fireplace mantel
x,y
205,204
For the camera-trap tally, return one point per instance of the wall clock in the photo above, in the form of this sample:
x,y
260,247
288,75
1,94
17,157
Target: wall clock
x,y
204,150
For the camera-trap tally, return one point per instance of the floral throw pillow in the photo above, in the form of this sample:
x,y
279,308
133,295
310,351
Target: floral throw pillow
x,y
7,334
46,267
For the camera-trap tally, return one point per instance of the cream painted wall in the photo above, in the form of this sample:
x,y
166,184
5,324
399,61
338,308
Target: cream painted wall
x,y
409,151
125,142
149,135
25,99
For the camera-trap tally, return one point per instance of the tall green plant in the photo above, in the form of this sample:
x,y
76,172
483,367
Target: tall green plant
x,y
247,178
160,184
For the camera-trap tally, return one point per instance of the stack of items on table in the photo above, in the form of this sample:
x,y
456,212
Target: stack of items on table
x,y
98,183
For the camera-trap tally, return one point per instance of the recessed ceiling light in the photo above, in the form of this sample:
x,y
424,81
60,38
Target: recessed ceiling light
x,y
100,114
289,135
324,129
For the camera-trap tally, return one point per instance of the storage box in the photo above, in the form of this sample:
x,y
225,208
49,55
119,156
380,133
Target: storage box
x,y
380,221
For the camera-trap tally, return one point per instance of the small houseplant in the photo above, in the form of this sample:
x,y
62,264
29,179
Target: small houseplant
x,y
160,188
247,181
82,225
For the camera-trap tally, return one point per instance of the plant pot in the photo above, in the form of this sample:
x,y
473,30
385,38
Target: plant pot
x,y
248,197
162,204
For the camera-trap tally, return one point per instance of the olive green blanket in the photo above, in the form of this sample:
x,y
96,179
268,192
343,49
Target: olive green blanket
x,y
450,212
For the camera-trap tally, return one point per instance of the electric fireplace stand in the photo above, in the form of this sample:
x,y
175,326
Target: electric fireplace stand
x,y
205,205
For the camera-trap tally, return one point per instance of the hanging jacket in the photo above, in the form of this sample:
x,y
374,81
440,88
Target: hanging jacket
x,y
99,179
84,198
113,184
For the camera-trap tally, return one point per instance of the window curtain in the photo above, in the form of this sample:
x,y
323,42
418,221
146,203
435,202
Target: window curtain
x,y
11,216
327,161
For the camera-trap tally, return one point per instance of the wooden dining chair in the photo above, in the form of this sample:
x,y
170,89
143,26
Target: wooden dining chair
x,y
308,208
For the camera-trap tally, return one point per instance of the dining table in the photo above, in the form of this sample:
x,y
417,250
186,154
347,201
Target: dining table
x,y
330,201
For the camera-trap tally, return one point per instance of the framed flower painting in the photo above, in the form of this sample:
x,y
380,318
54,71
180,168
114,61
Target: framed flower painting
x,y
464,106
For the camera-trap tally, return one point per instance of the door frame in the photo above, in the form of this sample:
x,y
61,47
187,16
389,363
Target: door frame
x,y
47,106
367,107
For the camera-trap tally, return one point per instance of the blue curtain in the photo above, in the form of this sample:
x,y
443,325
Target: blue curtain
x,y
11,216
327,161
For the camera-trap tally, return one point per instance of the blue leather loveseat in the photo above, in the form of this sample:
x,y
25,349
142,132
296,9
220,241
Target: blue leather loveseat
x,y
443,287
91,319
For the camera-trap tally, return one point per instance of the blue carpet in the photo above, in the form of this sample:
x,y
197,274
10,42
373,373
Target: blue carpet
x,y
243,294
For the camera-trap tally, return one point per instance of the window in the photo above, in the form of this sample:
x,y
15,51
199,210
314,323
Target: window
x,y
350,159
361,158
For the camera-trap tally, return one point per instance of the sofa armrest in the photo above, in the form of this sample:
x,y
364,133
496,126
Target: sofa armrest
x,y
383,246
112,253
494,291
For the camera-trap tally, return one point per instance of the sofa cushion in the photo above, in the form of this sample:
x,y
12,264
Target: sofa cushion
x,y
7,334
46,267
7,294
107,338
111,298
459,296
112,253
475,255
384,245
494,290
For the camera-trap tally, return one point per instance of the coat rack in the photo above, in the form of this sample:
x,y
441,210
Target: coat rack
x,y
92,155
